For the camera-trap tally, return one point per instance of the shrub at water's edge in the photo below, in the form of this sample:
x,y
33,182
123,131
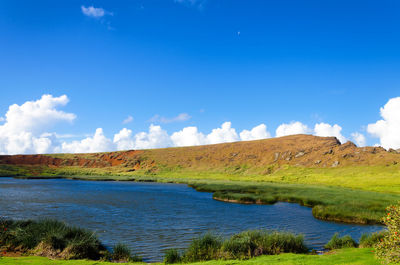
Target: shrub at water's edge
x,y
122,253
338,242
55,239
172,256
244,245
388,249
370,240
206,247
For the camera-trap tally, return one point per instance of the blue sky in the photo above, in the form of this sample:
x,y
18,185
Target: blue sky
x,y
246,62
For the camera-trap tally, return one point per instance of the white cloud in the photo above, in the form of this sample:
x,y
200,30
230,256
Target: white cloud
x,y
325,129
223,135
180,118
292,128
24,130
97,143
359,139
257,133
188,136
388,129
92,11
123,140
155,138
129,119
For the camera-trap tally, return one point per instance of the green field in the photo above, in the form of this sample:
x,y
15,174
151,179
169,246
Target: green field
x,y
345,256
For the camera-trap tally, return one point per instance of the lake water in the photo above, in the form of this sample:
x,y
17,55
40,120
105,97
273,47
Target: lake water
x,y
152,217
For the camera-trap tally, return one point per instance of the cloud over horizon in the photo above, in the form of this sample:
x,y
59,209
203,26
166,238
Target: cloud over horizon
x,y
27,129
388,129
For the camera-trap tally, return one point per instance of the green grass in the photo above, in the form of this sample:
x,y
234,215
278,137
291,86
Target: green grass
x,y
51,238
329,203
351,256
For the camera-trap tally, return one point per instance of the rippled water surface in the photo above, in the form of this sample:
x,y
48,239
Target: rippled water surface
x,y
151,217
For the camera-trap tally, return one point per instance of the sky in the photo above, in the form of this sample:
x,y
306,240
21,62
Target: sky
x,y
88,76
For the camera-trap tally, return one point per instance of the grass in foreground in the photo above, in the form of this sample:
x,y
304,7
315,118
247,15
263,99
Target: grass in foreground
x,y
350,256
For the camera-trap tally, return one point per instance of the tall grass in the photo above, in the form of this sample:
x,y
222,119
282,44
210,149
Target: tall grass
x,y
328,203
338,242
206,247
122,253
60,239
172,256
244,245
262,242
370,240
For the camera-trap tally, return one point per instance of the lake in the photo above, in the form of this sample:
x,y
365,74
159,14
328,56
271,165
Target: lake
x,y
152,217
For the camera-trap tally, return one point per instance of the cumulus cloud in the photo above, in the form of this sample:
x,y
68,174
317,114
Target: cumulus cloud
x,y
155,138
292,128
95,12
24,129
129,119
188,136
388,128
180,118
123,140
97,143
257,133
224,134
325,129
359,139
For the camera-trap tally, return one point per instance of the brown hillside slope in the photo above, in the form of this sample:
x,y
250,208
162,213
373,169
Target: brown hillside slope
x,y
296,150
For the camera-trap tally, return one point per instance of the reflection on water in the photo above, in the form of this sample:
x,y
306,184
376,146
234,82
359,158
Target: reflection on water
x,y
152,217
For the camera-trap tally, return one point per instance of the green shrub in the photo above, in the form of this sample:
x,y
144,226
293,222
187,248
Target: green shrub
x,y
262,242
370,240
74,242
388,249
121,253
337,242
172,256
206,247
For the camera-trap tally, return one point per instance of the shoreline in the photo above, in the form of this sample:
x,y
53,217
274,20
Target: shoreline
x,y
195,185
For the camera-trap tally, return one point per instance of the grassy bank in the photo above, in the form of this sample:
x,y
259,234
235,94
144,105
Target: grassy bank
x,y
328,202
354,256
376,178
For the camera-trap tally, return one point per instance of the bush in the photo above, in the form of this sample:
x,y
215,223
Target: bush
x,y
121,253
58,237
388,248
337,242
262,242
206,247
370,240
172,256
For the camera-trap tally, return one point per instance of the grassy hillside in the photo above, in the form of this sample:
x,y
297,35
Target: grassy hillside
x,y
342,182
350,256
